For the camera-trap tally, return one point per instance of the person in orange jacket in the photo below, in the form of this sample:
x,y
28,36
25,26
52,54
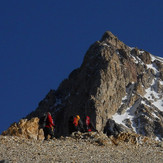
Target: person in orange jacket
x,y
75,124
48,129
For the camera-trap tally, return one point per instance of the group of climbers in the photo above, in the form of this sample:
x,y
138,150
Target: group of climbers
x,y
75,124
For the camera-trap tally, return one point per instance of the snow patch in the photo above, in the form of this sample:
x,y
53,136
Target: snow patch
x,y
159,104
137,59
153,67
124,98
153,96
129,114
159,59
153,58
141,51
154,114
104,44
131,48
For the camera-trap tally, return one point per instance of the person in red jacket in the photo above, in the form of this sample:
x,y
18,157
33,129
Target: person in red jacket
x,y
89,125
48,129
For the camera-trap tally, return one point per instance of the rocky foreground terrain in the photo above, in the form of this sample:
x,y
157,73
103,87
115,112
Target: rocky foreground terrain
x,y
81,148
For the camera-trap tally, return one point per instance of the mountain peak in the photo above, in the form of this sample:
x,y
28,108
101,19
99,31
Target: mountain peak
x,y
115,83
110,39
108,36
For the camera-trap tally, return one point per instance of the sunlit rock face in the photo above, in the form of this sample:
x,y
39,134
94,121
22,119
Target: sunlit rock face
x,y
114,82
26,129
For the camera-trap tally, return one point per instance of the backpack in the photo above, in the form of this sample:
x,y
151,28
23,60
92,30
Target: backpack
x,y
42,121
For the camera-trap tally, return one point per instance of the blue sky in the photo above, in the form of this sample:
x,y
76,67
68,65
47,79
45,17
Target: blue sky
x,y
41,42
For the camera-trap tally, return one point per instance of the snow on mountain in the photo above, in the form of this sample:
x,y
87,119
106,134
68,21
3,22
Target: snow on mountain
x,y
153,96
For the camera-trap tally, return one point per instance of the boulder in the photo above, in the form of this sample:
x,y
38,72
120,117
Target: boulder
x,y
26,128
112,128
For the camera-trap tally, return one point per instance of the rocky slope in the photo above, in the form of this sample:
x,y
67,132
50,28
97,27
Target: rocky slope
x,y
78,148
114,82
28,129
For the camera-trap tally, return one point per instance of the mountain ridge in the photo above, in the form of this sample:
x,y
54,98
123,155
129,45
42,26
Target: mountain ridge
x,y
115,82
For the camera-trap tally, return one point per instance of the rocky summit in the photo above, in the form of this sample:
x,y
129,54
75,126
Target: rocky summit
x,y
115,85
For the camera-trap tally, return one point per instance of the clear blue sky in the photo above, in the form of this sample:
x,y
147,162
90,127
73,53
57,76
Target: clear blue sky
x,y
41,42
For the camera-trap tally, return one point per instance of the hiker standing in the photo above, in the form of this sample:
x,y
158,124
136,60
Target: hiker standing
x,y
75,124
49,127
89,125
78,124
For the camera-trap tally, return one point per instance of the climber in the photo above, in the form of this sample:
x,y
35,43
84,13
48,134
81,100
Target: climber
x,y
49,127
75,124
89,125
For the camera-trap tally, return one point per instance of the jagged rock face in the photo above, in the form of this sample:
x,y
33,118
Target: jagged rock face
x,y
148,121
26,128
114,81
